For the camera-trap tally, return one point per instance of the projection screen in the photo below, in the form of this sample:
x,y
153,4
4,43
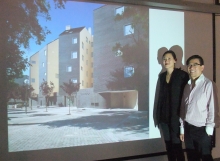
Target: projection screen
x,y
114,52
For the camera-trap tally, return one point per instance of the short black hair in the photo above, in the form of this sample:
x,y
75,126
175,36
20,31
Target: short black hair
x,y
170,52
201,61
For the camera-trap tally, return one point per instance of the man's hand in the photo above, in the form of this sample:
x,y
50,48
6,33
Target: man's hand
x,y
182,137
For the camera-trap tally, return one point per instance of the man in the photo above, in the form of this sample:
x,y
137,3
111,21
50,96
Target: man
x,y
198,112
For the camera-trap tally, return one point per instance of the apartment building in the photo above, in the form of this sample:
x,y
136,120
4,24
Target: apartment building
x,y
70,57
121,57
44,66
76,57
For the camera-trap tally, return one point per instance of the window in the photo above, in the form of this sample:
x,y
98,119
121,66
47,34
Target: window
x,y
74,55
86,39
128,30
86,62
69,69
74,41
91,54
45,73
82,83
86,51
119,10
91,64
42,64
82,45
32,80
82,57
81,68
74,80
45,52
128,71
118,53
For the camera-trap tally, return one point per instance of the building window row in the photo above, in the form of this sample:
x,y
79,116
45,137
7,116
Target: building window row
x,y
128,29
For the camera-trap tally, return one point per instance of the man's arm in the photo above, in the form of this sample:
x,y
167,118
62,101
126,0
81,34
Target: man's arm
x,y
212,104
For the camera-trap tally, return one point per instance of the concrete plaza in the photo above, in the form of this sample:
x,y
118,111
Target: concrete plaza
x,y
60,127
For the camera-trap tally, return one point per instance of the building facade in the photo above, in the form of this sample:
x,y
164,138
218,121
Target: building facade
x,y
121,56
67,58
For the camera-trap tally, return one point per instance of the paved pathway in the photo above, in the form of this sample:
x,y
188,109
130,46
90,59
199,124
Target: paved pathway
x,y
56,128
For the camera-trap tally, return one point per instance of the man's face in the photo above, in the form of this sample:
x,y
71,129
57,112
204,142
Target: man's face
x,y
194,68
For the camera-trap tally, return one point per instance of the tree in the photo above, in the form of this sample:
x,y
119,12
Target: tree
x,y
17,92
19,23
69,88
25,93
47,90
13,92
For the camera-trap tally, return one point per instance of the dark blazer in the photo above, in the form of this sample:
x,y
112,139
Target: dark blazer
x,y
178,81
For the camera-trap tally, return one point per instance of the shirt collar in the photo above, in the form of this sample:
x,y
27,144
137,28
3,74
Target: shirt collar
x,y
201,78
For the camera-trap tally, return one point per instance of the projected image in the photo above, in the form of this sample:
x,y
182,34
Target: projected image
x,y
88,83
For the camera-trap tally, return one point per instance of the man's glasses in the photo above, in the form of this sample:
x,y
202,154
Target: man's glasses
x,y
193,65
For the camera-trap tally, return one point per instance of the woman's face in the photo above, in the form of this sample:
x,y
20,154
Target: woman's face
x,y
168,61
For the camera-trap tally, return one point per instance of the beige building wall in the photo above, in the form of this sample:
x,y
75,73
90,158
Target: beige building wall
x,y
126,99
86,60
53,64
34,72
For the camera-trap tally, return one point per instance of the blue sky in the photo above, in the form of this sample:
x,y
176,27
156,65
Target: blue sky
x,y
75,14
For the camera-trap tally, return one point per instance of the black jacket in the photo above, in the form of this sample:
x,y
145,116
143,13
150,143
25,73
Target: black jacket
x,y
178,81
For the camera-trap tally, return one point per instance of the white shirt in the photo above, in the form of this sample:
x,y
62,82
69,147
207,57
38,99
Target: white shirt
x,y
199,106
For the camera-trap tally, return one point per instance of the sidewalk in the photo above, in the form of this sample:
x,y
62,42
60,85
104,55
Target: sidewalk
x,y
39,114
57,128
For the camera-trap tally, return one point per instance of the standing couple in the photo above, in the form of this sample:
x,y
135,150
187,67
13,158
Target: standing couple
x,y
187,109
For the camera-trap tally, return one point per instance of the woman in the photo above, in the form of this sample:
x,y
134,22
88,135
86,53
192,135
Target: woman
x,y
171,83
